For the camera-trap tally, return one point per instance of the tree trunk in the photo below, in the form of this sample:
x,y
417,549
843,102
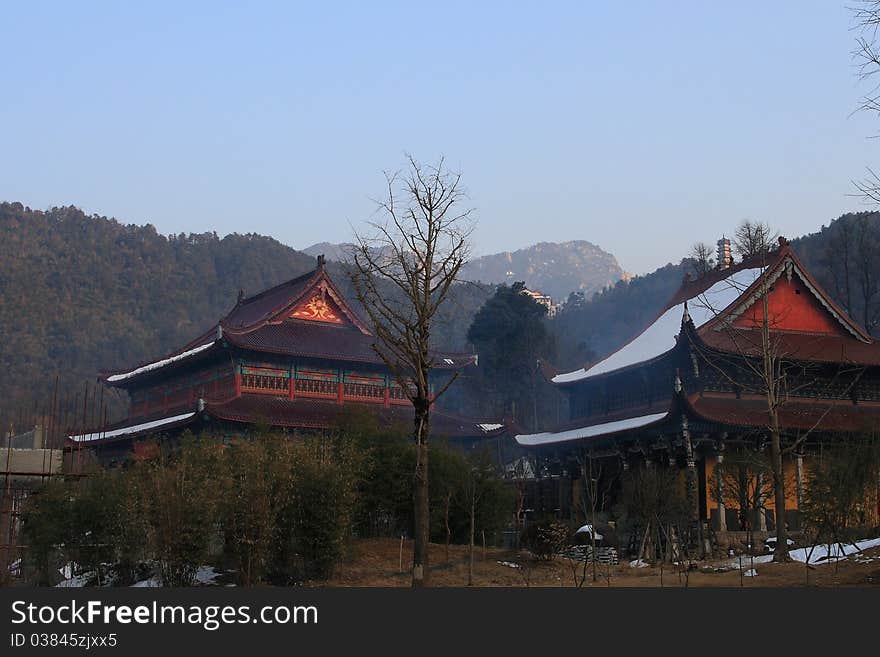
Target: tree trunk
x,y
781,552
421,515
471,548
446,522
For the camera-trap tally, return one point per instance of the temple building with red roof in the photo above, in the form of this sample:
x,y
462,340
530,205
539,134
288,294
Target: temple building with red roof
x,y
688,386
290,357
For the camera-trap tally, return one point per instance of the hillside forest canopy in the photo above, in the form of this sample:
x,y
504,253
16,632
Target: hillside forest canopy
x,y
82,293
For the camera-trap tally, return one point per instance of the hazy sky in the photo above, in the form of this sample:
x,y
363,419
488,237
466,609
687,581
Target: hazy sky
x,y
640,126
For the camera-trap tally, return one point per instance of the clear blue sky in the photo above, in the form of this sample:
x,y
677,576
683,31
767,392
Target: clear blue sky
x,y
640,126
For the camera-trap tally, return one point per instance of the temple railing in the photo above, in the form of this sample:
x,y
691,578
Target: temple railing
x,y
264,383
316,388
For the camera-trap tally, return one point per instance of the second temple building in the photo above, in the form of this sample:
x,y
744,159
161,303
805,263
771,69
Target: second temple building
x,y
693,387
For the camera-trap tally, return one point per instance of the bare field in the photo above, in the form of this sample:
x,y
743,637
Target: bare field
x,y
377,562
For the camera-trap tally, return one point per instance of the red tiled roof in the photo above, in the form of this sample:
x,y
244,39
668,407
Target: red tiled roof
x,y
794,415
317,340
300,414
260,307
809,347
261,323
324,414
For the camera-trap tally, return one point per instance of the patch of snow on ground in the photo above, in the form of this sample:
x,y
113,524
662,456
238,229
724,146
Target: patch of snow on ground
x,y
152,582
71,579
746,561
751,572
821,553
206,575
638,563
509,564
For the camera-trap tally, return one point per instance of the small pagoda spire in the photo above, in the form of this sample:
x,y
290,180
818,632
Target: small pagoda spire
x,y
321,261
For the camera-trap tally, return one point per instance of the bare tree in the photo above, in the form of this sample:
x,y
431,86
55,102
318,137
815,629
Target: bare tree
x,y
702,255
746,484
839,260
597,485
836,502
866,17
402,274
766,374
867,251
753,238
851,256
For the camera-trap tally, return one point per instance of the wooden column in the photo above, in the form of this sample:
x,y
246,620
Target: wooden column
x,y
799,475
691,473
762,516
291,383
719,488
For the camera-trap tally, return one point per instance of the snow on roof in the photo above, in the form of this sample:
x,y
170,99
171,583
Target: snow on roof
x,y
159,363
136,428
660,336
592,431
490,427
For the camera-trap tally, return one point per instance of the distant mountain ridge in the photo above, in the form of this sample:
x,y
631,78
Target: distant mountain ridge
x,y
335,252
554,268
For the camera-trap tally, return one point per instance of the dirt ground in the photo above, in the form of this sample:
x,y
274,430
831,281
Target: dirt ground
x,y
378,562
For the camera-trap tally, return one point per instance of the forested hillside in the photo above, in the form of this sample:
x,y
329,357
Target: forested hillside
x,y
82,293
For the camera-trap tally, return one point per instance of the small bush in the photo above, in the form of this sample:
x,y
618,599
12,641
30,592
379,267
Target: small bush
x,y
545,538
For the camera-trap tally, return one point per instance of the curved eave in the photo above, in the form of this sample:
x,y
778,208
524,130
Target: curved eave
x,y
593,432
791,346
116,433
620,370
798,415
125,378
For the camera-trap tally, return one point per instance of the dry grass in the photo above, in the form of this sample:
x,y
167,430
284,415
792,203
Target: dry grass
x,y
376,562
